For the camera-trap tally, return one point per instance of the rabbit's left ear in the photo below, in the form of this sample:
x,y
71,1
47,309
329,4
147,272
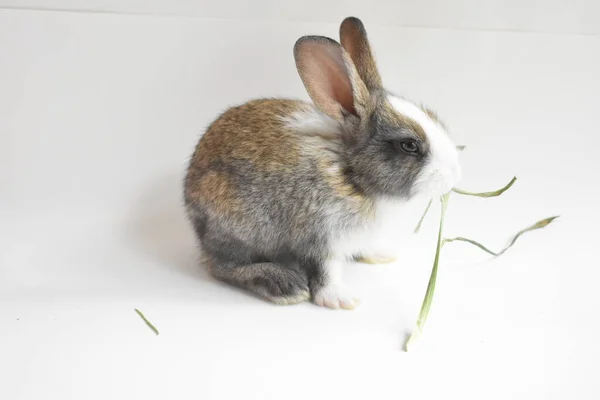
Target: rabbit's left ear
x,y
331,79
353,38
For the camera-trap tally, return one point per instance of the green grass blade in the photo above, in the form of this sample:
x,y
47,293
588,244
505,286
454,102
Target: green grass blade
x,y
538,225
418,227
146,321
487,194
462,239
428,299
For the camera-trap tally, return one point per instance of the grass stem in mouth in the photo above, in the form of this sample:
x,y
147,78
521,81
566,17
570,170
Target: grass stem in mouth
x,y
487,194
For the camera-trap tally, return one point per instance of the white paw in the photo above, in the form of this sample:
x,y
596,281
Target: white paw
x,y
336,296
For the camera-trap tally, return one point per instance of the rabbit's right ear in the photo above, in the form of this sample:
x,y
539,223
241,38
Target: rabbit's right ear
x,y
330,78
353,38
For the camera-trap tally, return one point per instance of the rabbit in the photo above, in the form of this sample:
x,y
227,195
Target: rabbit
x,y
282,193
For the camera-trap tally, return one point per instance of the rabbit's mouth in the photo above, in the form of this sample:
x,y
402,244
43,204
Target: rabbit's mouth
x,y
436,181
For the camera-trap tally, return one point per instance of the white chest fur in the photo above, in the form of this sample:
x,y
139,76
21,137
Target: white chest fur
x,y
379,237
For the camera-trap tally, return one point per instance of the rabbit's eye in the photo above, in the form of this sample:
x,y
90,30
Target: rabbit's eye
x,y
409,146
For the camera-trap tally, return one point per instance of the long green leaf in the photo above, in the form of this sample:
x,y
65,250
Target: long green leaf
x,y
538,225
487,194
418,227
428,299
474,243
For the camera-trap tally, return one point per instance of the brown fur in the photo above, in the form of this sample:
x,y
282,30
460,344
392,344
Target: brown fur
x,y
264,140
253,132
217,190
331,173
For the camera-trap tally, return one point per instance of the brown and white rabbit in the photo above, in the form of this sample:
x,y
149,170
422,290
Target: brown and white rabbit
x,y
282,192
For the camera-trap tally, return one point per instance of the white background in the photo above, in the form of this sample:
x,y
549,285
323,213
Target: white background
x,y
100,108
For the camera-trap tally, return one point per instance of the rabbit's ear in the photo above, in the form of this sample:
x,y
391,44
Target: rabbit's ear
x,y
353,38
331,78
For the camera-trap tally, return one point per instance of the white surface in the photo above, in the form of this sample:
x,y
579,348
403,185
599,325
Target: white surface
x,y
98,115
566,16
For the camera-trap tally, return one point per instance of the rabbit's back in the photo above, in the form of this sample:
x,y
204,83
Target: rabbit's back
x,y
269,175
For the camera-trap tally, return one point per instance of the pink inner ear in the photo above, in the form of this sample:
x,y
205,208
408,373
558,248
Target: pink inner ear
x,y
339,82
327,80
344,95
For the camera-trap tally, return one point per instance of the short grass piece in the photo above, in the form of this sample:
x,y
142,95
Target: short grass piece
x,y
142,316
